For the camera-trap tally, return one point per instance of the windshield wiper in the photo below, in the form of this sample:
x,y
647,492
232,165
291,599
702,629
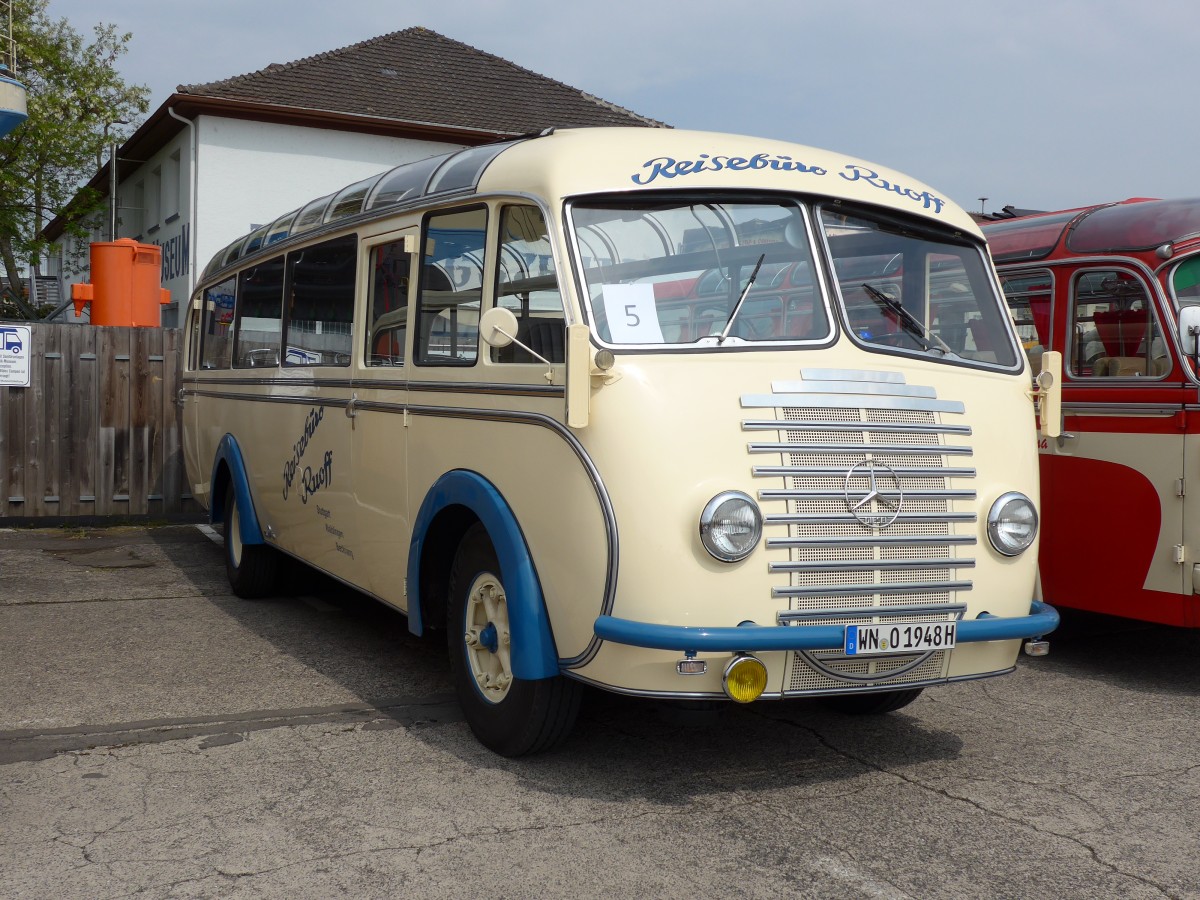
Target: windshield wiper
x,y
908,321
737,307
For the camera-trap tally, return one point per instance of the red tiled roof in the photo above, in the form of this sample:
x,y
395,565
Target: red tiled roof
x,y
419,76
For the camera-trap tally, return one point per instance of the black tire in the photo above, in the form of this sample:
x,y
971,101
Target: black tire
x,y
872,704
510,716
253,569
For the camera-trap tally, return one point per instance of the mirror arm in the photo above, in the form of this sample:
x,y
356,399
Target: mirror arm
x,y
531,352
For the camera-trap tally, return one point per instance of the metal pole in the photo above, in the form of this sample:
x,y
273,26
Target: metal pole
x,y
112,191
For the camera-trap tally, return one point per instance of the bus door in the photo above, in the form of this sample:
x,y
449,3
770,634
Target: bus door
x,y
379,430
306,487
210,345
1112,483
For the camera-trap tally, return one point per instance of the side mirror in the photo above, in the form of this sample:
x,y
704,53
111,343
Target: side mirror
x,y
498,327
1049,382
1189,327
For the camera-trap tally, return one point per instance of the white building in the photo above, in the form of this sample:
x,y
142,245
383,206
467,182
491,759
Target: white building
x,y
216,160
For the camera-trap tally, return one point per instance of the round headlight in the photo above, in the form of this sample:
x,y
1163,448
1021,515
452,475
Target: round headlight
x,y
1012,523
730,526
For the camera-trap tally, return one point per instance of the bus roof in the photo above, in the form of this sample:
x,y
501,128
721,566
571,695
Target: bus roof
x,y
573,161
1131,226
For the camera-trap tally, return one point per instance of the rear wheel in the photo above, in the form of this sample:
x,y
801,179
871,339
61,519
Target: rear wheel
x,y
509,715
252,569
872,704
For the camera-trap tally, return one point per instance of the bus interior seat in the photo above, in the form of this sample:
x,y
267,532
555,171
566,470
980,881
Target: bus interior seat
x,y
546,337
1119,366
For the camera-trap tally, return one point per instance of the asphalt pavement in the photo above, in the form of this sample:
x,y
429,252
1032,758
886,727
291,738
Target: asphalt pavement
x,y
160,737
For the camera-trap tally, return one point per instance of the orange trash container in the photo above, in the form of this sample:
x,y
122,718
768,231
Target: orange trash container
x,y
126,286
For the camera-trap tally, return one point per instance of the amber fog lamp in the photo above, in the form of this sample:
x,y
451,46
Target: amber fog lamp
x,y
745,679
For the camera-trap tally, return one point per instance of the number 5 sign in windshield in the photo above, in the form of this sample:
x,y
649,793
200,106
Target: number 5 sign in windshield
x,y
632,316
14,355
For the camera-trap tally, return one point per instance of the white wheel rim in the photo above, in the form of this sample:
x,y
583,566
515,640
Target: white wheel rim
x,y
486,635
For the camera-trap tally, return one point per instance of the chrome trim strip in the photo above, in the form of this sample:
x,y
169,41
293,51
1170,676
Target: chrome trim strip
x,y
274,398
886,612
844,495
860,388
846,401
851,375
490,389
854,590
849,518
1120,409
781,695
473,388
879,449
840,471
933,541
876,427
870,565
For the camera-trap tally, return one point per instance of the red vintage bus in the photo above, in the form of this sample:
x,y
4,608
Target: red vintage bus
x,y
1116,289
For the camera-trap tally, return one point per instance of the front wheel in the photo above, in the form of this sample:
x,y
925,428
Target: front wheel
x,y
252,568
509,715
871,704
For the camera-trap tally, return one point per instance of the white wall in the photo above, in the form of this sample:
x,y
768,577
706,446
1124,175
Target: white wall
x,y
252,172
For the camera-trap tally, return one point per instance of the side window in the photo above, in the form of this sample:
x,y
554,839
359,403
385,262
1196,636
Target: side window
x,y
194,330
450,288
1114,333
1029,297
217,338
320,303
527,283
391,265
259,315
1185,281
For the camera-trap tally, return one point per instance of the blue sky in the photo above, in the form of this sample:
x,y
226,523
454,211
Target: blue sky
x,y
1043,105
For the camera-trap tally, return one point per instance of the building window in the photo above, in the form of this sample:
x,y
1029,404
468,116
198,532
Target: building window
x,y
171,187
154,200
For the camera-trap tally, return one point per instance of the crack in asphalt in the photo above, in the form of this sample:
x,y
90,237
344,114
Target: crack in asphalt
x,y
32,745
943,792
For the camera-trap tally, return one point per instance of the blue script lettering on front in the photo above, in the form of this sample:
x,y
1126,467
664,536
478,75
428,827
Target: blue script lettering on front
x,y
862,173
668,167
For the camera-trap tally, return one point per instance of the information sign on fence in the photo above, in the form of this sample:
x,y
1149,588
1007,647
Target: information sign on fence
x,y
14,355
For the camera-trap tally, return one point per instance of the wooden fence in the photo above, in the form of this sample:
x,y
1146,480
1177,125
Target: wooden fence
x,y
98,432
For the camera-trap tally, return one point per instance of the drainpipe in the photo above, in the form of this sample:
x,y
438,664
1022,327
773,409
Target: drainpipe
x,y
193,177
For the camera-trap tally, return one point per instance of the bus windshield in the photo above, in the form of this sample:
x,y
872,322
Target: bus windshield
x,y
676,272
916,289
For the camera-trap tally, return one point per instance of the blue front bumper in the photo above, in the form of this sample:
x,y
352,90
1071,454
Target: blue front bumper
x,y
1042,619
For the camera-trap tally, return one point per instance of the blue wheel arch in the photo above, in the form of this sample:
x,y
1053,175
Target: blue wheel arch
x,y
229,455
533,651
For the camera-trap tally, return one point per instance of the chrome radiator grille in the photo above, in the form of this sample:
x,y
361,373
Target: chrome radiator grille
x,y
867,484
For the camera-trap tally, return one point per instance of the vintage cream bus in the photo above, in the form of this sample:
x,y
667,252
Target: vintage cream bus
x,y
674,414
1115,289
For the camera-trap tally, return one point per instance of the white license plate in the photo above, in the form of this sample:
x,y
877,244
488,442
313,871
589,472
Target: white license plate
x,y
875,640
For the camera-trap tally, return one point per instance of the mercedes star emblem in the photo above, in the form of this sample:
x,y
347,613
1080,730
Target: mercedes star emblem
x,y
879,505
